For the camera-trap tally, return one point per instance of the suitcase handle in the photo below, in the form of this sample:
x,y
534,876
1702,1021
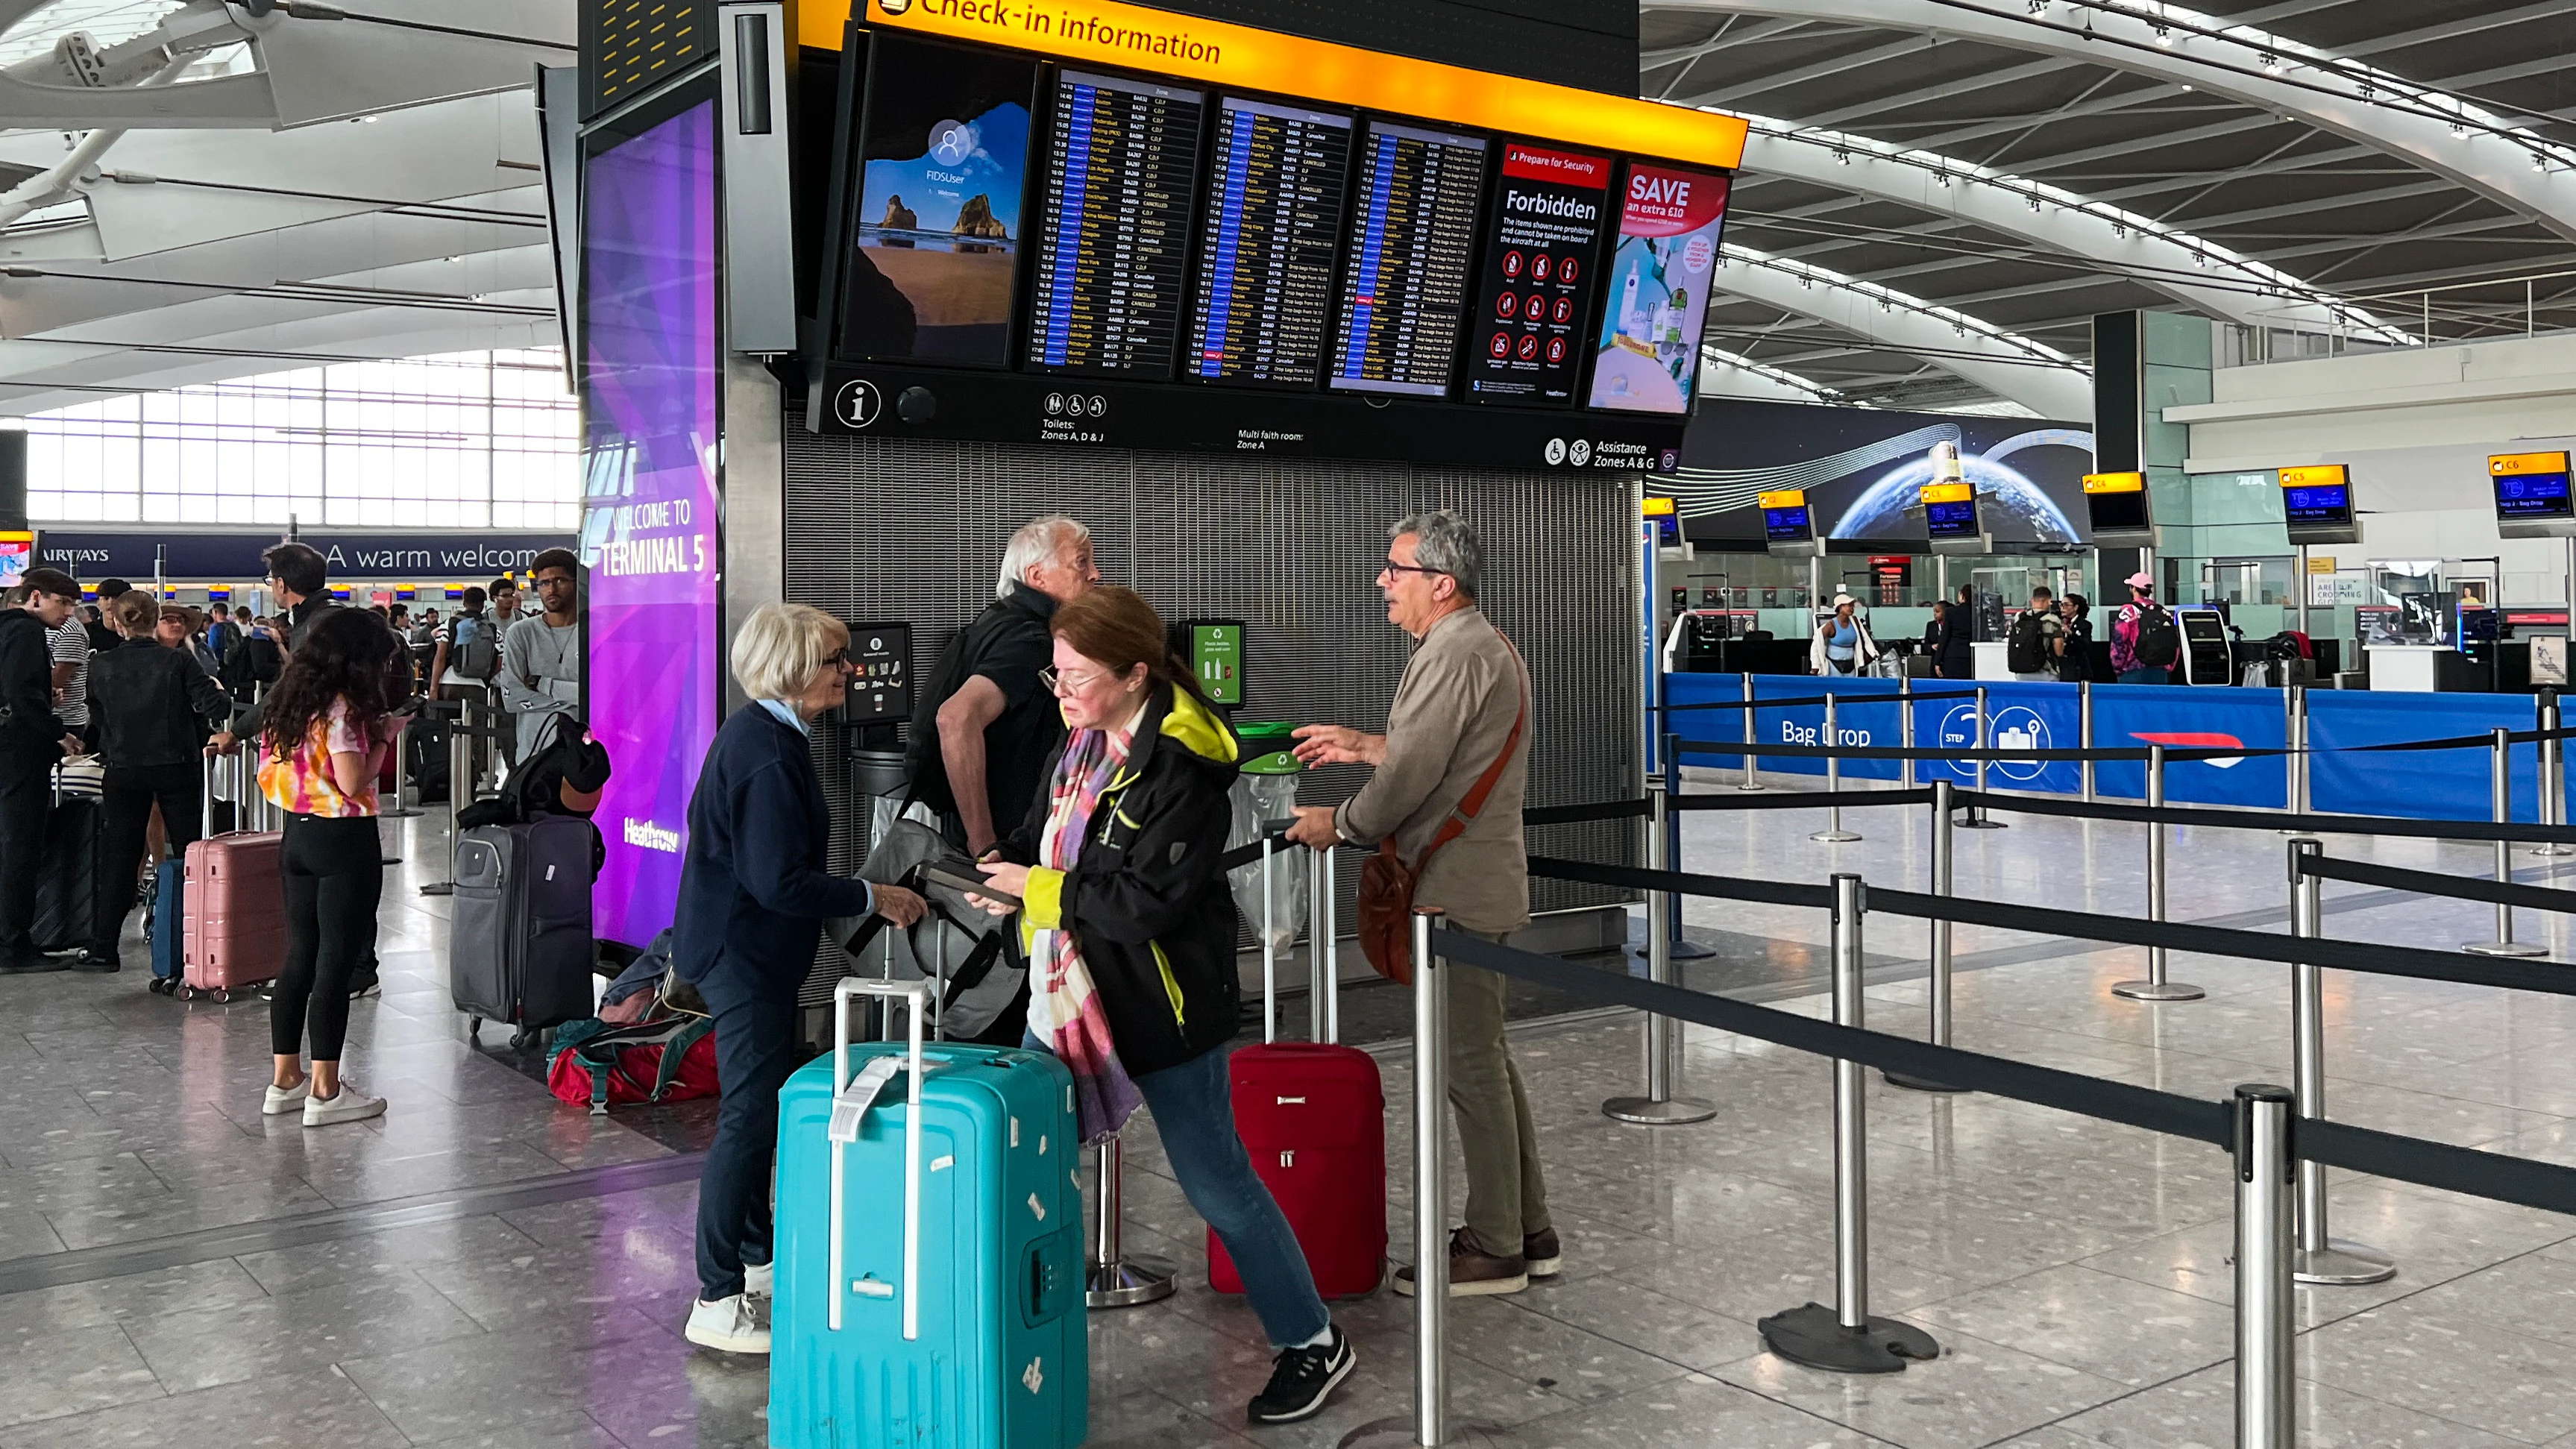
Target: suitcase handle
x,y
914,994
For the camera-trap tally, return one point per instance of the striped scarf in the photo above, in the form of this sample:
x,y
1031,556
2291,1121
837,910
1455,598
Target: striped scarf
x,y
1064,1005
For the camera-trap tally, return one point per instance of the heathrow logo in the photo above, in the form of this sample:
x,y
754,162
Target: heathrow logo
x,y
2197,740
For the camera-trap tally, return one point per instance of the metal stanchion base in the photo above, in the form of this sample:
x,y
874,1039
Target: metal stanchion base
x,y
1128,1282
2157,991
1647,1112
1682,950
2342,1264
2505,948
1836,837
1399,1433
1977,821
1815,1337
2551,850
1917,1084
439,888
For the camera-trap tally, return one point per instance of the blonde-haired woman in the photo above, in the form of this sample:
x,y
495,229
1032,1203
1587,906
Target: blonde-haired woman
x,y
754,894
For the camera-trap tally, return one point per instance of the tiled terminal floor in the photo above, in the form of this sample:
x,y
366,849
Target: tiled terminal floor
x,y
483,1266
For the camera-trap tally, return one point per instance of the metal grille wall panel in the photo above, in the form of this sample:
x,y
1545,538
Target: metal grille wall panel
x,y
883,529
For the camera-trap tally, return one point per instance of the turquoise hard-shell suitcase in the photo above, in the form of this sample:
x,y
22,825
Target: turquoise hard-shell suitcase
x,y
956,1251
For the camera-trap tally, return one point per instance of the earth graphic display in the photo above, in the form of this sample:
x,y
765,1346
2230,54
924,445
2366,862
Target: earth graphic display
x,y
2009,505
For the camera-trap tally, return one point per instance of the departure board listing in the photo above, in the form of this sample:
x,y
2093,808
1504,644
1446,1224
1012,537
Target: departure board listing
x,y
1539,264
1659,283
1271,225
1115,238
1404,292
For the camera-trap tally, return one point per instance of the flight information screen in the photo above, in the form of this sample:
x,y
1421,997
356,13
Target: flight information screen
x,y
1787,525
2318,503
1951,520
1404,291
1116,232
2532,495
1272,218
1546,243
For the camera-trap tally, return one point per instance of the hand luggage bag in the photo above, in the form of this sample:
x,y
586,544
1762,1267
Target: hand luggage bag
x,y
167,930
519,946
232,902
928,1247
67,879
1313,1117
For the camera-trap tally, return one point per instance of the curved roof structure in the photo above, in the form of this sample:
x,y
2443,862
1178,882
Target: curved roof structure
x,y
2291,166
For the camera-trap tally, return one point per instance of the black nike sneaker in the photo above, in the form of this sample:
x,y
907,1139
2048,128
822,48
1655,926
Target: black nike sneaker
x,y
1302,1380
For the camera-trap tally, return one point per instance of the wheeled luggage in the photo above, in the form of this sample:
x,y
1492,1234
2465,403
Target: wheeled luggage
x,y
165,928
232,902
928,1247
519,947
1312,1115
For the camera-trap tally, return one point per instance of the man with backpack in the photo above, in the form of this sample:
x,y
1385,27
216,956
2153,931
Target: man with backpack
x,y
2145,640
2030,646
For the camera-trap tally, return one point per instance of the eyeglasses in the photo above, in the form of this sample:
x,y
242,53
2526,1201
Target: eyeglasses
x,y
842,658
1392,567
1064,684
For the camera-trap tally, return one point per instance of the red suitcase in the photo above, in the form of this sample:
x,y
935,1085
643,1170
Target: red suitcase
x,y
1313,1117
233,900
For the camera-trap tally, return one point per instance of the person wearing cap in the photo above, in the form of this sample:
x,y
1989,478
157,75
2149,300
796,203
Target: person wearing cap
x,y
1841,644
2124,636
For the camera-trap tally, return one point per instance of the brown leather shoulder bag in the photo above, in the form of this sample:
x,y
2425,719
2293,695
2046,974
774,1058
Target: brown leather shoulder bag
x,y
1386,883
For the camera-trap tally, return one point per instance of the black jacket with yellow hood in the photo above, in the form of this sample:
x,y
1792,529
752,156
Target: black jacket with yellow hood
x,y
1145,900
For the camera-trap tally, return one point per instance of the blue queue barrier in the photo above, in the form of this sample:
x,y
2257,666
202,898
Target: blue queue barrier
x,y
2418,785
2198,717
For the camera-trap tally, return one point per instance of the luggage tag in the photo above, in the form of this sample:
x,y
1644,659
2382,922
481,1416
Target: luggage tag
x,y
851,1104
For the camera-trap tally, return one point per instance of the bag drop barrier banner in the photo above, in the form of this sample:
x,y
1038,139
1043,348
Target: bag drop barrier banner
x,y
2447,784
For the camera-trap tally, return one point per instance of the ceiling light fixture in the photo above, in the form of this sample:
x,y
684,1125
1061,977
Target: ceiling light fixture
x,y
1942,177
2271,63
2459,128
1842,157
2033,199
2164,36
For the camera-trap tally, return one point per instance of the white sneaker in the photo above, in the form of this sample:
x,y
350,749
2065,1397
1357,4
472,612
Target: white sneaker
x,y
350,1106
282,1100
759,1280
728,1324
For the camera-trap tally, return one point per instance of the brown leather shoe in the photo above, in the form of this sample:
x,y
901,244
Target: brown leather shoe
x,y
1544,1254
1473,1272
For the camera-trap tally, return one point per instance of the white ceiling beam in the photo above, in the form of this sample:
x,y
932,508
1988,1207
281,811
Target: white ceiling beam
x,y
2324,96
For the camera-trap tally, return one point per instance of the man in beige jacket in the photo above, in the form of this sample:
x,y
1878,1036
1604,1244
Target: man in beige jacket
x,y
1453,715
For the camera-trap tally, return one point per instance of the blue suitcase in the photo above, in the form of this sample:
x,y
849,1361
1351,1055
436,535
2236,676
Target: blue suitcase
x,y
166,928
948,1217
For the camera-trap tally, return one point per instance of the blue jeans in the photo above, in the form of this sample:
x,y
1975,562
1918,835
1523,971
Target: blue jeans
x,y
1194,1112
2146,675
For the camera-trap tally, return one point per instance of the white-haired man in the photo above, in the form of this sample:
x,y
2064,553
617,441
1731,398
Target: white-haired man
x,y
982,729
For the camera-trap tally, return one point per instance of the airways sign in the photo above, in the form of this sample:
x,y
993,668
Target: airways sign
x,y
234,557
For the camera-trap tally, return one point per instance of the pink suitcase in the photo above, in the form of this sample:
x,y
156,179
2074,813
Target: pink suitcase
x,y
234,903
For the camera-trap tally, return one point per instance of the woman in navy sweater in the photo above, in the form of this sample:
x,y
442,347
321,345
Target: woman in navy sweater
x,y
754,894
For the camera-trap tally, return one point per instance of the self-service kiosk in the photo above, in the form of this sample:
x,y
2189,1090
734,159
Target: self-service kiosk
x,y
2206,658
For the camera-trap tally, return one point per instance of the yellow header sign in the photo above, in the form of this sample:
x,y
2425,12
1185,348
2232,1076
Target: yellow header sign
x,y
1793,498
2314,475
2506,465
1239,57
2115,482
1948,492
1658,506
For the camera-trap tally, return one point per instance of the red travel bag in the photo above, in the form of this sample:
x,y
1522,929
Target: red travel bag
x,y
233,899
1313,1117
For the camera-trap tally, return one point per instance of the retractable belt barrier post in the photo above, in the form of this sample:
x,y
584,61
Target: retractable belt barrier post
x,y
2320,1258
1905,728
1834,833
1937,984
2084,732
1430,1182
1752,763
1845,1338
1116,1280
1323,952
2156,987
2266,1411
1659,1107
2500,786
1977,813
2553,777
2294,766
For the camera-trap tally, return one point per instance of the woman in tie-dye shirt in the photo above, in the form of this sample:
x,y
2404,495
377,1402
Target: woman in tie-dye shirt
x,y
326,729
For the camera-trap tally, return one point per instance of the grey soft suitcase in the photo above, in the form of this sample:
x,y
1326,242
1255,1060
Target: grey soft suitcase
x,y
519,948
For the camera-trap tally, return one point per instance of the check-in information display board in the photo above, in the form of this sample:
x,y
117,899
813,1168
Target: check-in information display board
x,y
1115,231
1272,229
1413,227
